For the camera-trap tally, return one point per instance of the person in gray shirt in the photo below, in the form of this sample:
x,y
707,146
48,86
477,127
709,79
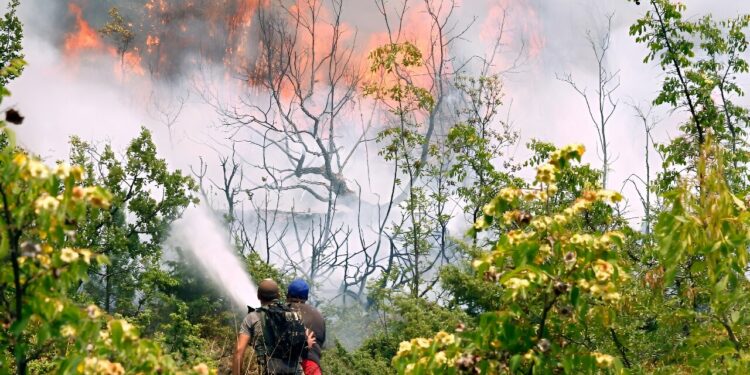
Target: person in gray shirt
x,y
251,333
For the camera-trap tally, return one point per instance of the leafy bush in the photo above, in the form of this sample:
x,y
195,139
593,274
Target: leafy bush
x,y
41,209
557,282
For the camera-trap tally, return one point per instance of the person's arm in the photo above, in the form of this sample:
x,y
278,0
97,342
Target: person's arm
x,y
239,352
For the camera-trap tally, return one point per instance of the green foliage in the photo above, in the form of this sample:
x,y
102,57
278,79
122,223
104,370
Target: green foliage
x,y
551,280
702,256
681,318
477,145
700,58
186,314
181,336
423,221
338,360
399,318
391,57
413,317
470,292
557,284
11,35
43,327
146,198
391,60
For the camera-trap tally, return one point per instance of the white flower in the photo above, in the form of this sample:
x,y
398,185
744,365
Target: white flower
x,y
560,219
570,258
603,360
516,283
609,195
440,358
201,368
20,159
62,171
115,368
67,331
509,194
546,173
517,286
86,255
93,311
403,348
611,297
603,270
46,203
423,342
38,170
445,338
68,255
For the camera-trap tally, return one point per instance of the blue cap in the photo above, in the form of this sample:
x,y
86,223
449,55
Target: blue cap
x,y
298,289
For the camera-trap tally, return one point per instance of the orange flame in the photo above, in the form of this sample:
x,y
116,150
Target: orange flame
x,y
132,62
84,37
239,32
152,41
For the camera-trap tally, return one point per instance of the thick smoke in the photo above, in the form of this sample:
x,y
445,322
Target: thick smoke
x,y
169,36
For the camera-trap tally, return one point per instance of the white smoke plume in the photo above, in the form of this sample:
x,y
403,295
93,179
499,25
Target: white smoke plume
x,y
199,234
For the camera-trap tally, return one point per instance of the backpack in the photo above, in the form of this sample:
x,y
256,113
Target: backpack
x,y
283,332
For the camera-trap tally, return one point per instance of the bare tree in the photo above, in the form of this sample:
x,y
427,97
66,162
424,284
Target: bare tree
x,y
306,199
309,76
602,105
308,85
168,112
645,189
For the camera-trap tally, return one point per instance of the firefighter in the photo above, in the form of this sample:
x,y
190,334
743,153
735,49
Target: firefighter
x,y
296,296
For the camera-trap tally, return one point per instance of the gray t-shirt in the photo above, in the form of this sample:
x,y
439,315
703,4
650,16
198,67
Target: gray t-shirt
x,y
252,326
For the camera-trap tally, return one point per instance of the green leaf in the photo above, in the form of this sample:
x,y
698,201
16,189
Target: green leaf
x,y
735,316
515,362
575,292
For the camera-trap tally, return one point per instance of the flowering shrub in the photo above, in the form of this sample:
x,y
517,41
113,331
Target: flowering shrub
x,y
40,210
557,281
42,327
439,353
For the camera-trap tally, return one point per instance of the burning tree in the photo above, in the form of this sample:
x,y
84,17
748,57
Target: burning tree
x,y
305,81
120,31
306,67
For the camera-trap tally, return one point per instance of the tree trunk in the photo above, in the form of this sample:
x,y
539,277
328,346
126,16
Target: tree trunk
x,y
107,290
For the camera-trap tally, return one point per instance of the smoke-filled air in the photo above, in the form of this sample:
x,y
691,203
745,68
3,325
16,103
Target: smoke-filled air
x,y
374,187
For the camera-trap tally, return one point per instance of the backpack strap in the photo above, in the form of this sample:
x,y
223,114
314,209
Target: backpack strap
x,y
261,344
